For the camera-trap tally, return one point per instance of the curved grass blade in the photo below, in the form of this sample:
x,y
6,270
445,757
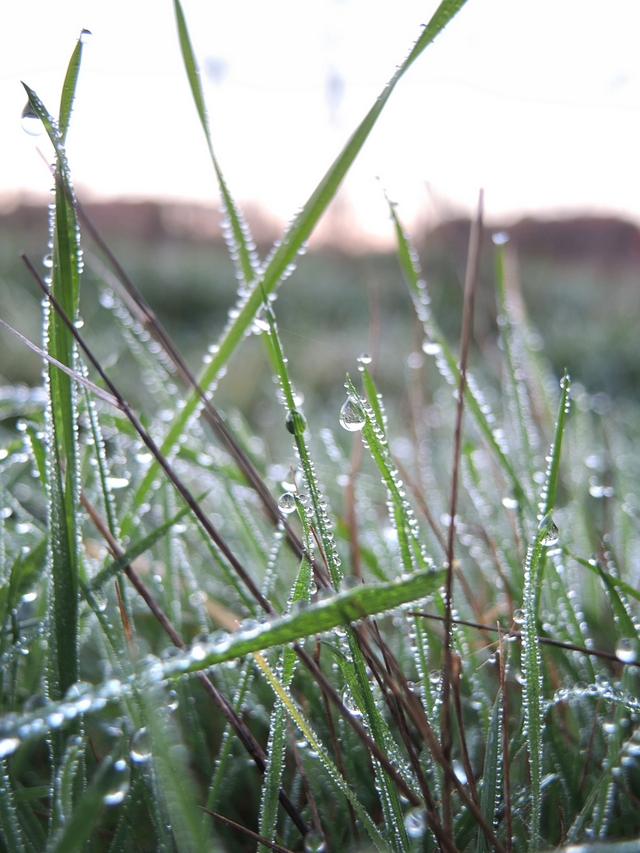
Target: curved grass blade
x,y
299,231
241,244
342,608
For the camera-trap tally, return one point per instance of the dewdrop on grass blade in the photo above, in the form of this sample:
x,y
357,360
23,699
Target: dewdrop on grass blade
x,y
30,121
352,417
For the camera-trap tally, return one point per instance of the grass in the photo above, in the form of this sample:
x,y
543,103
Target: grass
x,y
368,641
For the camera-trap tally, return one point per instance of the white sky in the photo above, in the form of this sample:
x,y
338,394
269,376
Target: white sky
x,y
538,101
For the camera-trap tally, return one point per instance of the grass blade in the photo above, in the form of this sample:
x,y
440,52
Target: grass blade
x,y
341,609
240,241
546,534
62,462
10,830
299,230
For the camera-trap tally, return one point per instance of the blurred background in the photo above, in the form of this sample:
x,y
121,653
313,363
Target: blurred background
x,y
539,103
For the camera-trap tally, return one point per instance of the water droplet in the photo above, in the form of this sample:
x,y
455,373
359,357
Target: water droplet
x,y
249,628
460,772
626,651
364,358
349,582
500,238
431,347
295,422
117,482
314,842
518,616
352,417
119,783
287,503
220,641
140,746
509,502
47,261
85,36
551,536
30,122
414,823
8,745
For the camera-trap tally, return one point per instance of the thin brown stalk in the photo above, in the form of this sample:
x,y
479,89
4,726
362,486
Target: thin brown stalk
x,y
155,450
465,337
137,303
246,831
457,704
546,641
357,726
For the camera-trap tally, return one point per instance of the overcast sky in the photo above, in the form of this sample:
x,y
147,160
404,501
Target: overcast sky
x,y
537,101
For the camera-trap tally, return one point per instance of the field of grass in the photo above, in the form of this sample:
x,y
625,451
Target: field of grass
x,y
293,596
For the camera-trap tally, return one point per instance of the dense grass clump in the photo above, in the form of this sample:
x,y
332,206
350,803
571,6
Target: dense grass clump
x,y
411,637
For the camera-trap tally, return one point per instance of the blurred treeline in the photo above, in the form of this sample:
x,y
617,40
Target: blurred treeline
x,y
579,280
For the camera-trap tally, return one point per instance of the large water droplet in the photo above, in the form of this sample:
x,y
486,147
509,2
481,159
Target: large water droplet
x,y
140,746
8,745
552,535
30,122
352,416
314,842
626,651
85,36
287,503
295,422
118,784
414,823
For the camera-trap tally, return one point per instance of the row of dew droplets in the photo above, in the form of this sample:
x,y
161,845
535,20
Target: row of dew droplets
x,y
81,698
546,536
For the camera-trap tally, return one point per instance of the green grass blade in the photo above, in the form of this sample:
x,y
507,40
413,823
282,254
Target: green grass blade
x,y
62,462
240,241
298,232
65,782
491,772
296,424
111,775
446,360
136,550
69,89
546,535
171,777
342,608
609,579
512,340
323,756
10,830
